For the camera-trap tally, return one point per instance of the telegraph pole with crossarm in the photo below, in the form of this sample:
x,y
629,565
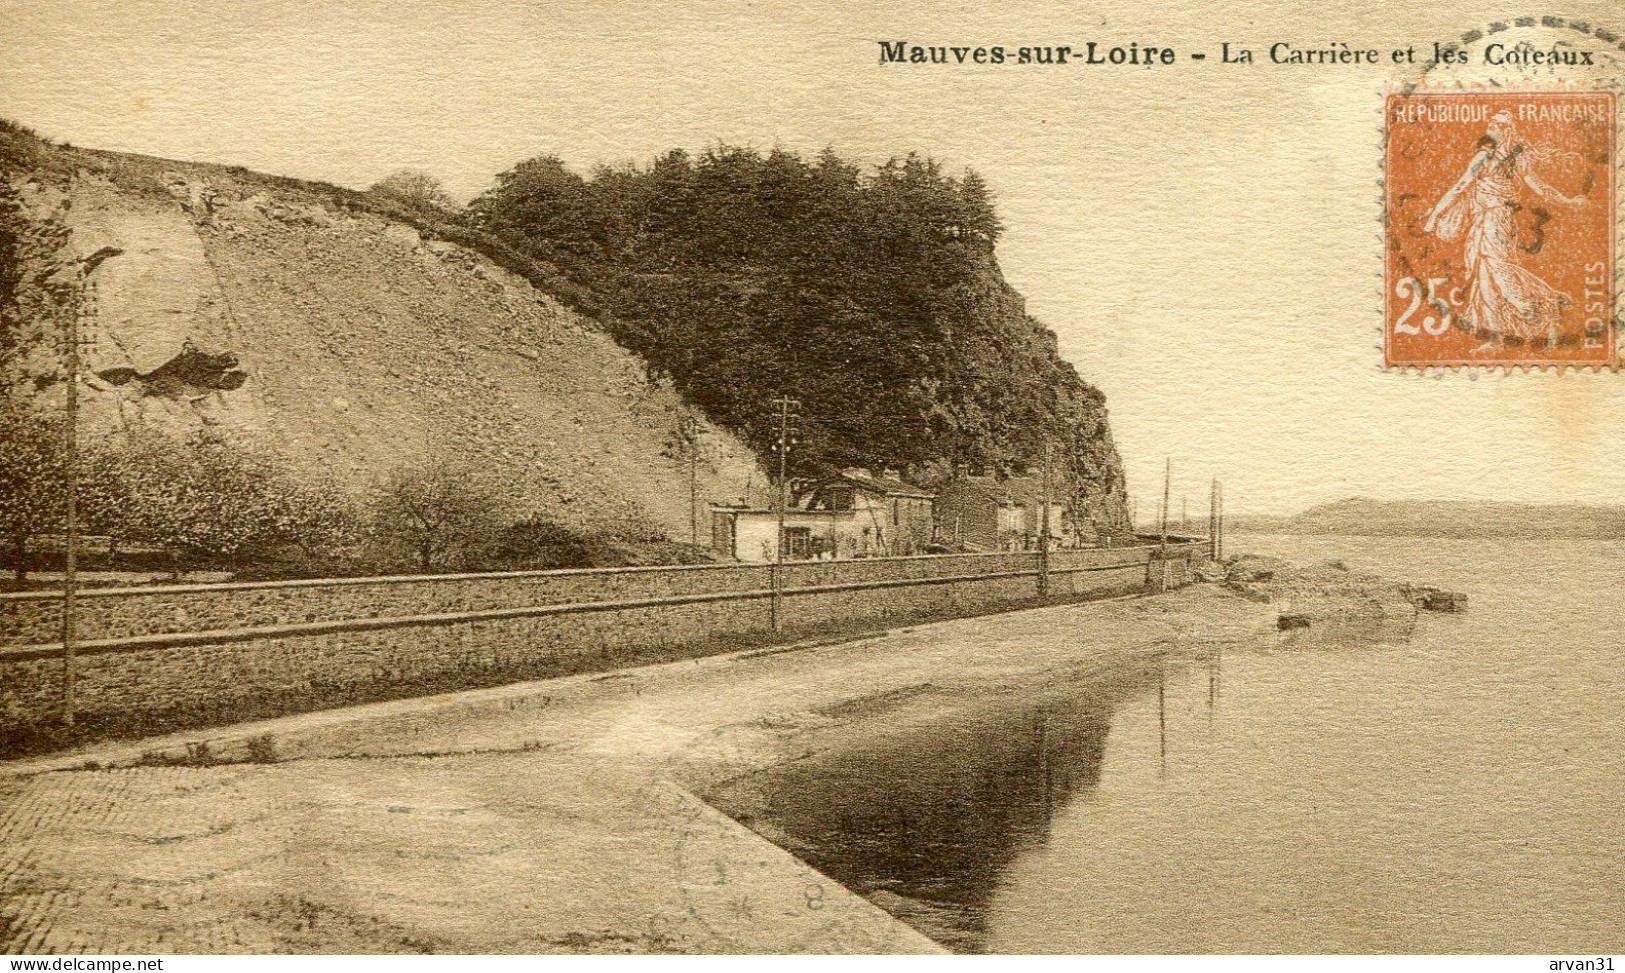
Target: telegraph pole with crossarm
x,y
83,306
786,410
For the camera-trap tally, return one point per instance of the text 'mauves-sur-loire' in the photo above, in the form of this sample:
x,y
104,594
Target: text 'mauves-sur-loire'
x,y
1135,54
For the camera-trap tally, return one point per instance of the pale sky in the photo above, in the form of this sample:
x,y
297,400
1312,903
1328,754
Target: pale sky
x,y
1203,238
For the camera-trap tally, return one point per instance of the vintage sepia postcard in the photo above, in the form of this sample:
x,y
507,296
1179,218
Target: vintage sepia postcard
x,y
762,477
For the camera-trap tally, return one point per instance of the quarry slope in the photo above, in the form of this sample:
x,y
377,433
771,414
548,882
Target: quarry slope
x,y
350,345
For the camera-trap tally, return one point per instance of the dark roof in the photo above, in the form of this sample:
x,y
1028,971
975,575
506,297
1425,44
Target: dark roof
x,y
888,485
791,511
1011,490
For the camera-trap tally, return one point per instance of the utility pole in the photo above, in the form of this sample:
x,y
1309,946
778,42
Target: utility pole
x,y
1162,545
1043,528
691,439
70,452
1167,489
83,303
1213,520
785,408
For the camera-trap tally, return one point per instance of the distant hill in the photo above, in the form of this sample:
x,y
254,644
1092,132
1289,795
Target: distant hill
x,y
1445,518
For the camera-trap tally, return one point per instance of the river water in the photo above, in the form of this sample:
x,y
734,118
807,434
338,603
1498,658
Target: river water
x,y
1457,788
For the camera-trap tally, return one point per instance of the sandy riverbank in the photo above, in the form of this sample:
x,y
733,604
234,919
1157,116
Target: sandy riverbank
x,y
552,816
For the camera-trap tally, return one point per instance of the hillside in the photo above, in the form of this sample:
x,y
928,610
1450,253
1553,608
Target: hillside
x,y
555,339
873,295
1447,518
350,342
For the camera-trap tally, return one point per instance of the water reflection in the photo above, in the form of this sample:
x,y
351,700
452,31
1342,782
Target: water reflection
x,y
1214,663
1162,719
1354,787
925,820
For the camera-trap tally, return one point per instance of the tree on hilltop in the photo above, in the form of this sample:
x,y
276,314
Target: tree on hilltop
x,y
864,291
415,188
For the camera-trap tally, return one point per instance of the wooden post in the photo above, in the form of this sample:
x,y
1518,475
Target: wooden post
x,y
84,297
785,406
1167,497
70,576
1213,520
1043,530
778,545
693,440
1167,490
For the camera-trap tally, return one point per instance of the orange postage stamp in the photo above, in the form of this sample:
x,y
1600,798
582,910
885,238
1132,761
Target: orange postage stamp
x,y
1500,228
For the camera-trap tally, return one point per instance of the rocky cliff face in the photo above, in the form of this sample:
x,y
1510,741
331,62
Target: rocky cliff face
x,y
1014,370
349,345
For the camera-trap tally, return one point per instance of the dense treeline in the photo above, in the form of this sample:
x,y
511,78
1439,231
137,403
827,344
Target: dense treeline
x,y
873,297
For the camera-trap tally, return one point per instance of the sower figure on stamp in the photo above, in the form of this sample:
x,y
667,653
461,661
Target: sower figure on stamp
x,y
1504,298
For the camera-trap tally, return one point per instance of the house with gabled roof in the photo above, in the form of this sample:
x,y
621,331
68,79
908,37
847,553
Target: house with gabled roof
x,y
890,516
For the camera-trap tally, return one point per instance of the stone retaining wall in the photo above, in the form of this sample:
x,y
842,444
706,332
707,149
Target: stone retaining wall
x,y
160,658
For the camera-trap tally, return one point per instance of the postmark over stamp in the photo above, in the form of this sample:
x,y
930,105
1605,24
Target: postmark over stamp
x,y
1500,227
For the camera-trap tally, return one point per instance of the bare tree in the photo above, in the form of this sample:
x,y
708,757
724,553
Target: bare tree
x,y
436,513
